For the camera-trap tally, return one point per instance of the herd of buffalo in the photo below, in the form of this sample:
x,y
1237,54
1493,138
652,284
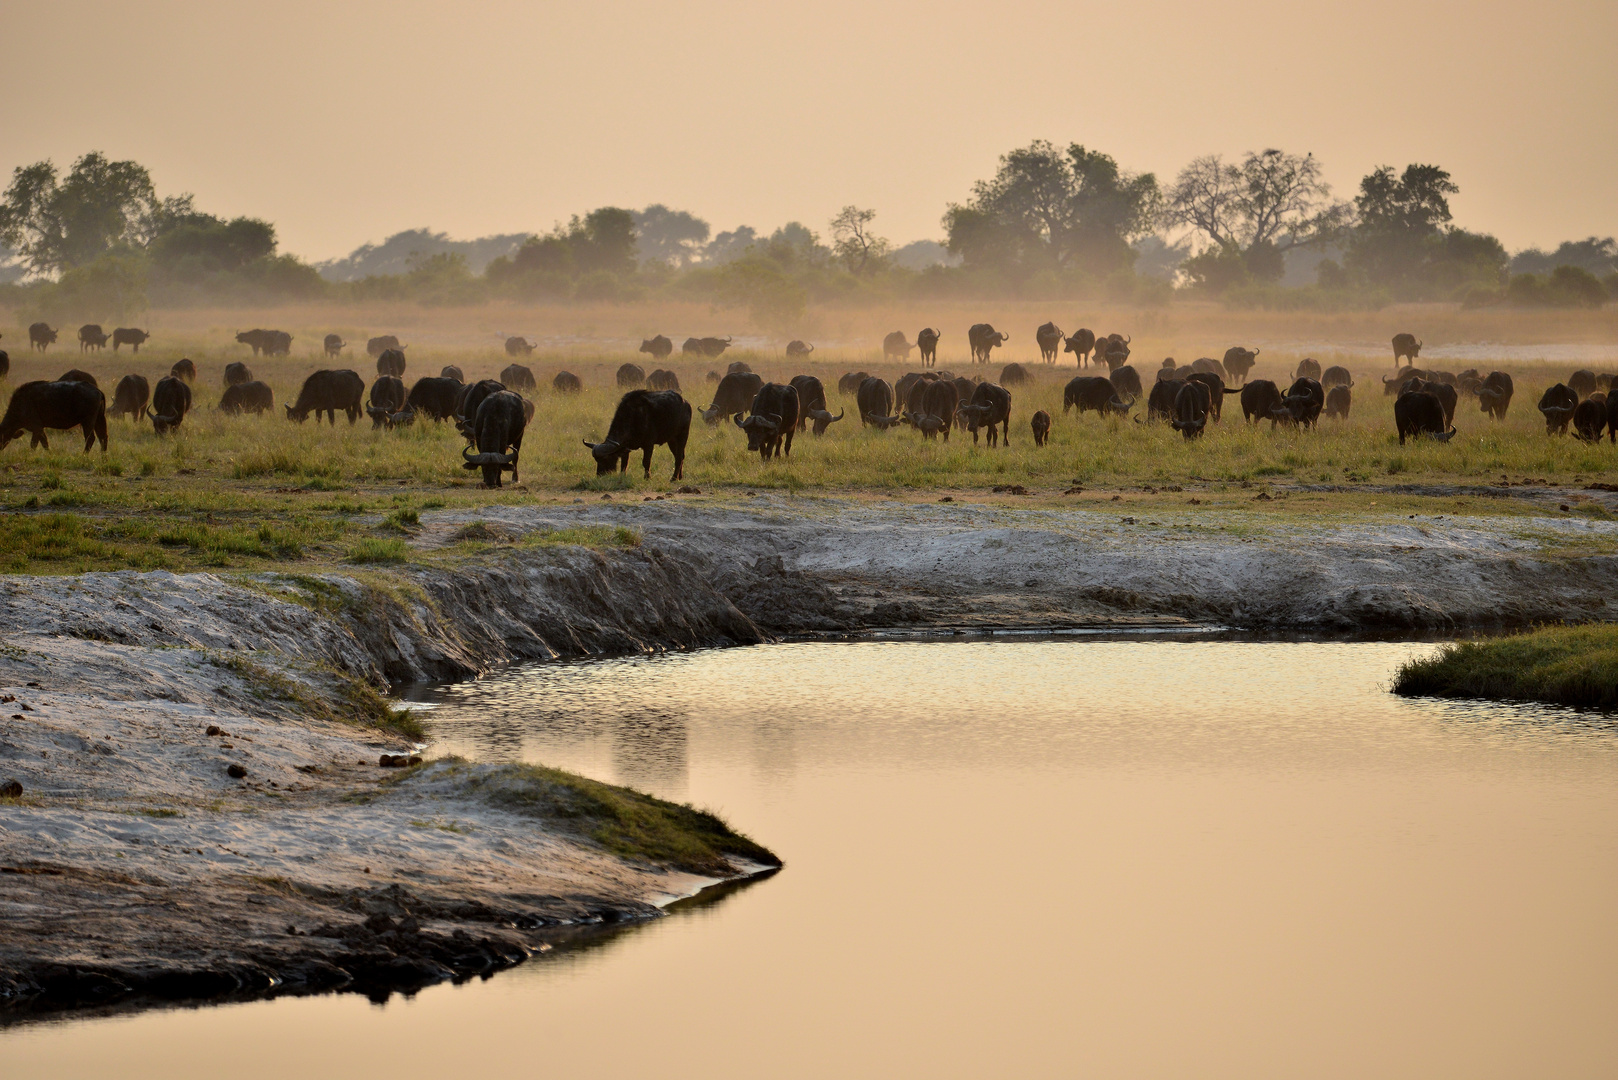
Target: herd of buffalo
x,y
492,414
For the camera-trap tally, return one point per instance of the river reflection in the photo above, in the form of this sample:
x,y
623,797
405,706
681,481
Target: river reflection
x,y
1027,858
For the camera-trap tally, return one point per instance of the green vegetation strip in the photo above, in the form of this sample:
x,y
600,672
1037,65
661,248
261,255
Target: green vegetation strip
x,y
1565,665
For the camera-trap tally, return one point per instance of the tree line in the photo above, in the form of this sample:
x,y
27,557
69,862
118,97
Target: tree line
x,y
1051,223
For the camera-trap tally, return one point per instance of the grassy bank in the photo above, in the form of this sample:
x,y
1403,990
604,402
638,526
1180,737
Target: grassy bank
x,y
1568,665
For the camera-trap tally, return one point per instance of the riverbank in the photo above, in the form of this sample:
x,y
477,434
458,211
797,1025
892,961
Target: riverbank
x,y
315,867
1563,665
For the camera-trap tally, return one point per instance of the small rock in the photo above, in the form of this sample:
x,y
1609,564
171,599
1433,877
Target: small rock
x,y
8,697
25,707
606,495
36,686
947,498
235,772
11,789
18,716
1116,498
214,729
1565,506
687,489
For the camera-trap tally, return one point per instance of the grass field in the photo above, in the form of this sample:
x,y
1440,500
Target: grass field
x,y
1566,665
246,491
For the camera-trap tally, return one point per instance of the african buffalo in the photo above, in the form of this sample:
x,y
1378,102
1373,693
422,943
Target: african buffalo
x,y
436,398
663,379
771,421
130,396
254,397
567,383
906,384
797,349
1612,417
1116,351
1302,405
895,347
1336,375
1582,383
128,335
1191,405
1396,385
850,383
691,347
927,342
1081,344
1418,413
329,392
1339,399
450,371
1015,375
1445,393
1216,392
1308,368
658,348
1050,339
1405,347
1126,380
732,396
333,345
5,363
1208,365
236,372
982,338
1094,393
277,343
1160,402
812,404
713,346
875,400
938,400
41,336
991,406
391,362
1041,424
466,405
171,400
387,398
926,423
91,336
1558,405
1494,395
497,430
75,375
738,367
631,375
1590,418
644,419
378,345
257,339
1239,362
518,346
59,406
184,369
517,377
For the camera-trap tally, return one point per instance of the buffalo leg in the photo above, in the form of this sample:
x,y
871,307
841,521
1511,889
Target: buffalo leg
x,y
646,462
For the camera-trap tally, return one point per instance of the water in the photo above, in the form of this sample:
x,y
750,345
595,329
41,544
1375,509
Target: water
x,y
1022,858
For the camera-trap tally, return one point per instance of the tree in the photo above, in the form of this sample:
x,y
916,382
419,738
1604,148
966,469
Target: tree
x,y
56,225
854,243
1598,256
604,240
1053,209
1254,213
1404,240
199,243
669,236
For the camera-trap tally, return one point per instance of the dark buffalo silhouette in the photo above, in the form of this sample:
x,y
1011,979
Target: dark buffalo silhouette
x,y
1041,423
798,349
171,400
471,396
850,383
91,336
1050,338
713,346
927,342
388,397
1239,362
391,362
1590,418
57,406
895,347
517,377
1417,413
1116,352
41,336
1081,345
518,346
129,335
658,348
248,397
184,369
130,397
75,375
567,383
334,344
329,392
732,396
1260,398
1191,405
1303,402
1582,383
436,398
631,375
1557,405
663,379
982,338
1092,393
1494,394
644,419
1126,380
1308,368
1405,347
875,400
1216,392
236,373
1336,375
990,408
277,343
738,367
771,420
378,345
1015,375
257,340
1339,399
497,431
450,371
1208,365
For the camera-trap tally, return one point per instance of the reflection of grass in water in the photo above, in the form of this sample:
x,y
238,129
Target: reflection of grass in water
x,y
1569,665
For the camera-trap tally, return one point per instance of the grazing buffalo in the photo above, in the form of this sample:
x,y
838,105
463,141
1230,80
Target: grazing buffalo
x,y
1126,380
771,421
1081,344
1050,340
1209,366
75,375
1590,418
1302,405
990,407
926,423
1308,368
59,406
1160,402
1239,362
982,338
378,345
713,346
1446,394
1396,385
1041,423
738,367
1015,375
1191,405
1216,392
850,383
254,397
171,400
184,369
907,383
797,349
1557,405
1417,413
812,404
466,406
277,343
236,373
895,347
875,400
91,336
645,418
631,375
452,372
658,348
130,396
391,362
387,398
1612,417
497,433
1336,375
1582,383
517,377
329,392
691,347
567,383
128,335
41,336
1094,393
940,398
1405,347
1260,398
1116,351
1168,369
435,398
732,396
333,345
1339,399
663,379
258,340
927,342
518,346
1494,394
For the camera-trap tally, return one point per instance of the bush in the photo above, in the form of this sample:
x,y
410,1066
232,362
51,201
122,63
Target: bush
x,y
1569,665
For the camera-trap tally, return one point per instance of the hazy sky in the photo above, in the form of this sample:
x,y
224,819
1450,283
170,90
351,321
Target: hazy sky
x,y
343,122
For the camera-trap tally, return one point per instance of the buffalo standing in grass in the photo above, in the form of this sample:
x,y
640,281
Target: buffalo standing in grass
x,y
772,420
1081,345
1092,393
184,369
1216,392
466,406
713,346
658,348
277,343
333,345
663,379
1041,424
631,375
437,398
850,383
1418,413
1339,399
644,419
128,335
1126,380
257,340
1239,362
91,336
1302,405
5,363
58,406
391,362
171,400
130,397
1557,405
1015,375
41,336
1209,365
990,408
517,377
812,404
1582,383
1260,398
518,346
1160,402
895,347
1336,375
236,373
248,397
983,338
797,350
875,400
1494,395
329,392
1590,418
1116,352
567,383
1446,394
1308,368
378,345
1191,404
497,431
387,398
1049,338
450,371
1405,347
932,408
732,396
75,375
927,342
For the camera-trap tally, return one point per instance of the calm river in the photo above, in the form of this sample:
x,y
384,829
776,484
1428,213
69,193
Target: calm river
x,y
1041,858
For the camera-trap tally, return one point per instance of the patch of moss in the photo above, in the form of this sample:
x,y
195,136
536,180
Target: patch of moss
x,y
1565,665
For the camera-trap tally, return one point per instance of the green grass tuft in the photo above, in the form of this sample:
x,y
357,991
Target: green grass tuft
x,y
1565,665
376,549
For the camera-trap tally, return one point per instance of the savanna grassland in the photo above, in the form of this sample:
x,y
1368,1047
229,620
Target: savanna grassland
x,y
255,491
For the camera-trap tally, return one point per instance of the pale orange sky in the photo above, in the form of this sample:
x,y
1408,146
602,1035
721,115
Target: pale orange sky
x,y
343,122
